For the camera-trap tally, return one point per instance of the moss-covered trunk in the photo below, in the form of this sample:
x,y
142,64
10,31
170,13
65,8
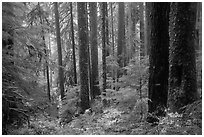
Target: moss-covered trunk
x,y
83,56
182,66
159,45
121,36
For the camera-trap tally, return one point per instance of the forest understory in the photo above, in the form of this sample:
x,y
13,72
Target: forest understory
x,y
101,68
124,114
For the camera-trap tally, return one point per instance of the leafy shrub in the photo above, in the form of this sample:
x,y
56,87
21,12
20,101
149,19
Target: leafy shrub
x,y
70,105
137,74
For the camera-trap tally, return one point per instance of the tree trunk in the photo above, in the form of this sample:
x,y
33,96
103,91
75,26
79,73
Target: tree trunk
x,y
107,32
112,30
46,58
59,49
113,45
83,55
146,27
89,56
94,49
134,17
142,46
182,66
73,46
121,36
104,7
47,74
159,45
50,51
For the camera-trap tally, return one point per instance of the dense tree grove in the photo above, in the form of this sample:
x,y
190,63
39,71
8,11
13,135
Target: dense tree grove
x,y
95,68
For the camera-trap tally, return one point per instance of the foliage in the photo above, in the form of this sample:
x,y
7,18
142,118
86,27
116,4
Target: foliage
x,y
20,92
26,109
137,71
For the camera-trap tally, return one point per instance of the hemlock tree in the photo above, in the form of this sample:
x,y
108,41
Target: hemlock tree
x,y
146,26
94,49
103,10
73,46
159,46
46,53
182,65
59,49
121,35
83,56
134,18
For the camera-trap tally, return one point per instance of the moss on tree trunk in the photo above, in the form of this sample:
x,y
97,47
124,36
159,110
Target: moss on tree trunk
x,y
182,66
83,56
159,45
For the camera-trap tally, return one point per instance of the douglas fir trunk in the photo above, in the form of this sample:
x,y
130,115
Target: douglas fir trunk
x,y
182,65
159,46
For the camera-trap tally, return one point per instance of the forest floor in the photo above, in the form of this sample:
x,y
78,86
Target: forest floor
x,y
125,115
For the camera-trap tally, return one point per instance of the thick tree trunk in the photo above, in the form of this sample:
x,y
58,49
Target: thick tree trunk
x,y
121,36
94,49
59,49
73,46
134,15
83,55
159,45
182,66
104,7
89,55
146,27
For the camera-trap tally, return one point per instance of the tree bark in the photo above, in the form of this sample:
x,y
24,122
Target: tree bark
x,y
107,31
73,46
59,49
83,56
158,71
94,49
46,57
121,36
134,19
112,30
142,46
182,66
104,6
113,44
146,27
